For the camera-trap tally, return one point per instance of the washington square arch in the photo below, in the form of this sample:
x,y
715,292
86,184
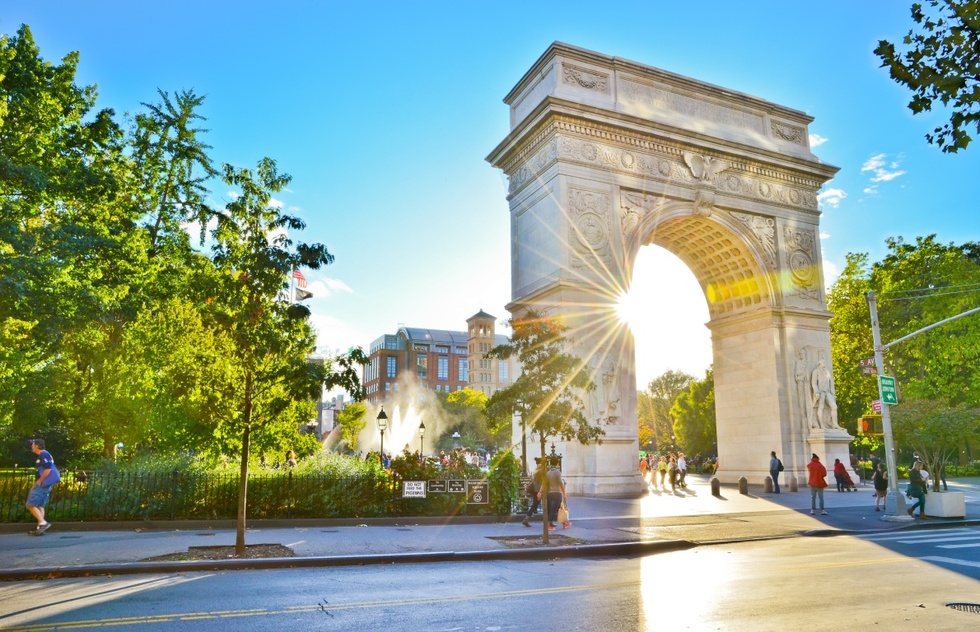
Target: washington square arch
x,y
606,155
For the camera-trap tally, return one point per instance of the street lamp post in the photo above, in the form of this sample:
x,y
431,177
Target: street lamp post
x,y
382,425
422,439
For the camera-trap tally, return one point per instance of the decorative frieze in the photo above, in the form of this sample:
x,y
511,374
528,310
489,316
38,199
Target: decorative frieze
x,y
764,231
800,252
791,133
588,79
589,229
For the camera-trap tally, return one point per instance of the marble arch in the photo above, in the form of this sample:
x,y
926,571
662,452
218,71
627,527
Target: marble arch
x,y
606,155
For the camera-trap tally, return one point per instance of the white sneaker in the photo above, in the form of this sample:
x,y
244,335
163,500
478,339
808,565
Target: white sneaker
x,y
813,513
823,513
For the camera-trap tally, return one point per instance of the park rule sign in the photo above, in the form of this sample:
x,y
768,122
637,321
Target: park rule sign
x,y
888,393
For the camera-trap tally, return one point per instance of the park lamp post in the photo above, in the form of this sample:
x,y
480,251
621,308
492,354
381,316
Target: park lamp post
x,y
422,439
382,425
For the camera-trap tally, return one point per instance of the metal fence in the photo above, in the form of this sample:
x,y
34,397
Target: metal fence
x,y
101,496
87,496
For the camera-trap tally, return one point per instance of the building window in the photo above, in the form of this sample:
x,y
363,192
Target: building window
x,y
443,368
396,386
421,347
461,351
422,367
502,371
442,349
392,366
464,370
387,386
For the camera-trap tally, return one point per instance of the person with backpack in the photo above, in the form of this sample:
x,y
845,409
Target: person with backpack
x,y
775,467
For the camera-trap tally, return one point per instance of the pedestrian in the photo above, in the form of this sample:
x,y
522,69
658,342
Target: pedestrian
x,y
942,475
644,466
840,475
290,458
917,490
556,494
682,469
47,476
662,470
816,482
533,489
775,467
672,471
880,480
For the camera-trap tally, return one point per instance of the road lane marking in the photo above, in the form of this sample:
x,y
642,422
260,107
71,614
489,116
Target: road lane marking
x,y
324,607
951,560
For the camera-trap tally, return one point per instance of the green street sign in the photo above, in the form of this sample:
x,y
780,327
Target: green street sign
x,y
888,393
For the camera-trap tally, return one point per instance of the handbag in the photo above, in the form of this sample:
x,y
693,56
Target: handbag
x,y
563,513
781,468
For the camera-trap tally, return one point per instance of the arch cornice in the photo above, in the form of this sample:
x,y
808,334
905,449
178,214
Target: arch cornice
x,y
566,137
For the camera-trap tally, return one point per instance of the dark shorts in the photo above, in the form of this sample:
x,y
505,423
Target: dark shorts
x,y
38,496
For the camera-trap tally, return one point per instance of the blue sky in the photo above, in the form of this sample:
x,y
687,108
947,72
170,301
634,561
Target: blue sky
x,y
384,112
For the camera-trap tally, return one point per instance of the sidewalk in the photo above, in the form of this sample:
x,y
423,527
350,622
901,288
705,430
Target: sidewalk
x,y
600,526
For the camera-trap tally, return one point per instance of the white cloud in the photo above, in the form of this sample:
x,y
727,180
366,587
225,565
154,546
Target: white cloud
x,y
274,203
883,170
830,273
831,197
816,140
824,235
871,190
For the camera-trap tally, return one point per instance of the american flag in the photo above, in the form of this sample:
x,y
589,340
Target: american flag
x,y
300,279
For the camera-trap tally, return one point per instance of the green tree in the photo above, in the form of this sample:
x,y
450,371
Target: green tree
x,y
58,169
694,415
271,339
463,411
659,399
351,420
934,430
942,64
546,394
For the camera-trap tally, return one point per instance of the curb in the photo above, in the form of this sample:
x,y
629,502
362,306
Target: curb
x,y
539,553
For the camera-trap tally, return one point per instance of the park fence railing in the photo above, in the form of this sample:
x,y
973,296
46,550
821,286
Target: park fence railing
x,y
94,496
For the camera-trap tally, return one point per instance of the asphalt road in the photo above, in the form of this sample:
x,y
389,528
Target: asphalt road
x,y
834,584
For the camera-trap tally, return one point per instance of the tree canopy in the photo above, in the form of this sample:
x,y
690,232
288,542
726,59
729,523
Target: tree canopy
x,y
941,65
116,325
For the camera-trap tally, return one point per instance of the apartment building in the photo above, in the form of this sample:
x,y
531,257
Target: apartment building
x,y
437,359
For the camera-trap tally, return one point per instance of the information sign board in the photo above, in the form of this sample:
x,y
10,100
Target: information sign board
x,y
413,489
888,393
456,487
437,487
477,492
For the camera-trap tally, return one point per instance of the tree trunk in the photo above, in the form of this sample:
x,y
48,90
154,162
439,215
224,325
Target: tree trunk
x,y
242,493
544,494
243,470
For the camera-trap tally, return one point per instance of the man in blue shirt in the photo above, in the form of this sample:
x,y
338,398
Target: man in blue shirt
x,y
47,476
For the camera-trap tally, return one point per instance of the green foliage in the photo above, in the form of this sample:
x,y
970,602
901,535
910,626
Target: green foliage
x,y
694,415
934,430
463,411
351,421
546,394
504,479
654,406
916,285
942,65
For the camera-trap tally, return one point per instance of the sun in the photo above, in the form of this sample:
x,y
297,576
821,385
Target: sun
x,y
629,309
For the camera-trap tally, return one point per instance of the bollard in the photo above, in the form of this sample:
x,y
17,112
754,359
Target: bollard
x,y
768,484
715,487
793,487
743,486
